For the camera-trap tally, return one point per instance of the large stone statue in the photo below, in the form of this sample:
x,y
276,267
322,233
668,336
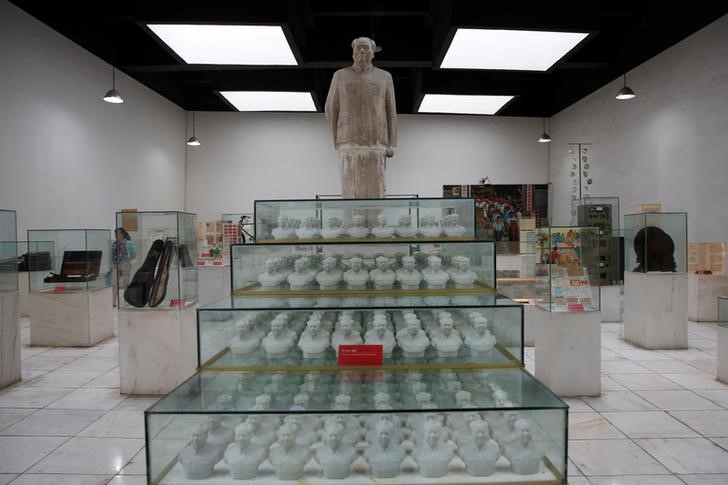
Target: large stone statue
x,y
362,115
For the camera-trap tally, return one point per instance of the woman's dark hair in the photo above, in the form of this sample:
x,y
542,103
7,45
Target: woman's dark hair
x,y
654,249
122,231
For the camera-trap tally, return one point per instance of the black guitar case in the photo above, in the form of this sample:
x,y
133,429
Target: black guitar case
x,y
159,287
137,293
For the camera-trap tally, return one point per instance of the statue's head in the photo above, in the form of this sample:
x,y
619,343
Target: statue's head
x,y
363,49
199,437
243,434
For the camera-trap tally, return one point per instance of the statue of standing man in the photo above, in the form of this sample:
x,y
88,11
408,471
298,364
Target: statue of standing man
x,y
362,115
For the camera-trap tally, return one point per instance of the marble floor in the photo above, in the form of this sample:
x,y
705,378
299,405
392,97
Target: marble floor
x,y
662,418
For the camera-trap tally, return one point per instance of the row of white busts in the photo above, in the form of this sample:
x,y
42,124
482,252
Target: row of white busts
x,y
310,228
321,333
304,274
335,442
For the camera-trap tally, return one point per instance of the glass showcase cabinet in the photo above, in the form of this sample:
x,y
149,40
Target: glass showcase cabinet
x,y
156,259
8,252
602,213
656,242
365,362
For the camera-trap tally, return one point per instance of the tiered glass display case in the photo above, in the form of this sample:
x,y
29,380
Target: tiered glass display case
x,y
567,268
165,240
364,219
602,213
8,252
439,397
656,242
80,260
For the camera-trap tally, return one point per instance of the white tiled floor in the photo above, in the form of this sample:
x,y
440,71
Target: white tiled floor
x,y
662,418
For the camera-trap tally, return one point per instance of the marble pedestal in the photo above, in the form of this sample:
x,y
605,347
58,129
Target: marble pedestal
x,y
72,318
9,339
722,354
214,283
703,292
610,303
533,318
656,310
157,349
24,294
568,352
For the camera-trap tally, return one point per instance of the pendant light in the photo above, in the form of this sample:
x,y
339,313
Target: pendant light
x,y
626,92
545,138
113,96
193,141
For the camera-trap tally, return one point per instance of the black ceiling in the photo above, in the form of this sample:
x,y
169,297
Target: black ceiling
x,y
412,34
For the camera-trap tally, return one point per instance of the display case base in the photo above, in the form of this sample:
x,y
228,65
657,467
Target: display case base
x,y
656,310
533,318
610,303
703,292
568,352
9,339
157,349
71,319
722,354
214,283
24,294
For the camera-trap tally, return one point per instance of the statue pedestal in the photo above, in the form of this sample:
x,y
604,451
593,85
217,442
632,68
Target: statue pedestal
x,y
568,352
610,303
722,354
9,339
656,310
703,293
533,318
157,349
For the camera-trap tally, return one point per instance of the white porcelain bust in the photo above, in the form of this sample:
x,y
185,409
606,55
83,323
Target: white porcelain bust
x,y
463,435
412,340
286,228
330,277
408,276
345,336
279,342
310,229
382,276
381,230
480,340
303,275
380,335
218,435
198,458
461,274
243,456
356,277
335,459
287,457
262,436
272,277
434,275
384,456
525,455
404,227
446,340
481,453
313,342
248,338
450,226
358,227
430,227
333,229
433,456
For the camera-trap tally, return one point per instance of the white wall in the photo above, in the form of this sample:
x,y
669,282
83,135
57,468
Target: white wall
x,y
68,159
248,156
667,145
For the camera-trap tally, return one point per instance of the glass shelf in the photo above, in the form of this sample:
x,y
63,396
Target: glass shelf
x,y
656,242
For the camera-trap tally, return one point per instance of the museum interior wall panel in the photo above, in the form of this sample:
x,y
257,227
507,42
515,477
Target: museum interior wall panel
x,y
241,149
666,145
68,158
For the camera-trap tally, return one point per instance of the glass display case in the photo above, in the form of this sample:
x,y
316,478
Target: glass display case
x,y
34,256
486,331
602,213
364,219
80,260
521,283
383,426
567,268
656,242
433,271
156,259
8,252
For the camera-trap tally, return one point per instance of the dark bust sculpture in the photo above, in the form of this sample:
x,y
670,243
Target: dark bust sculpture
x,y
655,250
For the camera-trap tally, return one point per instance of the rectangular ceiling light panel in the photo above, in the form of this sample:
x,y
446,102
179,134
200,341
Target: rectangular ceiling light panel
x,y
270,100
463,104
260,45
509,50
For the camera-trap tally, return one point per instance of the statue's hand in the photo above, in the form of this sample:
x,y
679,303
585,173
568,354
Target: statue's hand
x,y
390,152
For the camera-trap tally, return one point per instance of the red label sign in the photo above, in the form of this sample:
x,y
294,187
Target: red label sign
x,y
177,303
576,307
360,355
